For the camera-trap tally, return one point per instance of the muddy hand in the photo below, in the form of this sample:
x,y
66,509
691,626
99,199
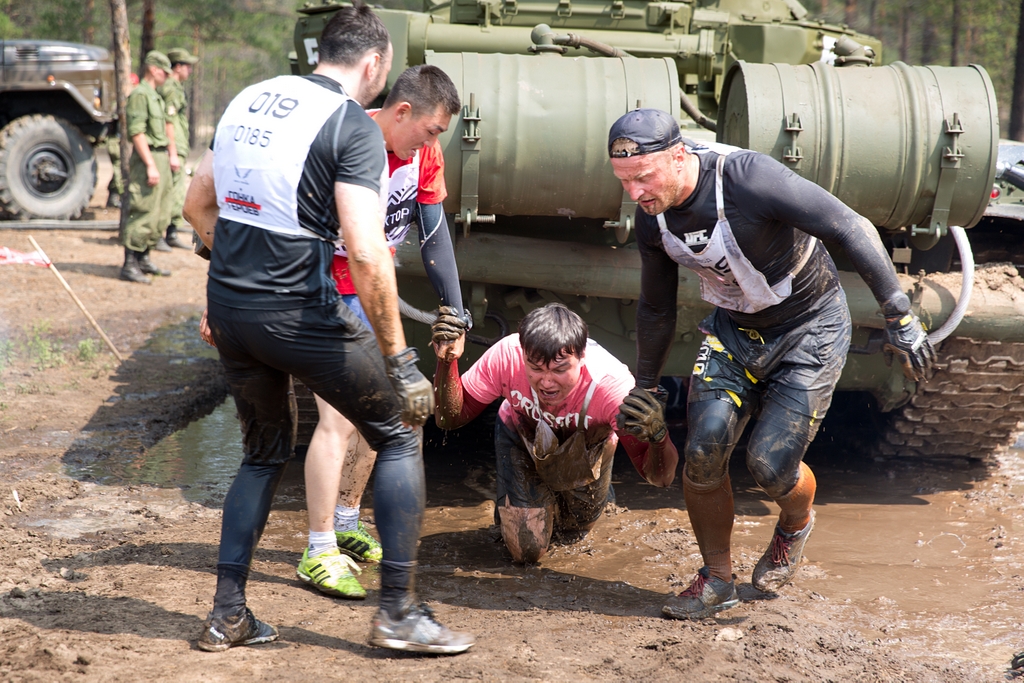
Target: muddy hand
x,y
204,330
415,392
642,414
907,341
448,333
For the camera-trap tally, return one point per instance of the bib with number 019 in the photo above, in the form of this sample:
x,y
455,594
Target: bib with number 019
x,y
260,151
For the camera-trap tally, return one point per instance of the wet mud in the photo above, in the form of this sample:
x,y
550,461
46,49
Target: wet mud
x,y
107,552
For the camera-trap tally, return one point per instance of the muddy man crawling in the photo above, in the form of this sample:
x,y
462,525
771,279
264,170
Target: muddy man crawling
x,y
567,403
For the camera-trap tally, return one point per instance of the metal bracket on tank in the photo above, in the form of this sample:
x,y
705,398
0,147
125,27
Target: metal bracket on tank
x,y
936,226
470,197
564,8
793,154
623,226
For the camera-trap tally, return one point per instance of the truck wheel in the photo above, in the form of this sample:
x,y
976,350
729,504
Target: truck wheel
x,y
971,408
47,169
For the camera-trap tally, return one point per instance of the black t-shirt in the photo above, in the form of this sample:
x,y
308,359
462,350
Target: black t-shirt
x,y
255,268
767,206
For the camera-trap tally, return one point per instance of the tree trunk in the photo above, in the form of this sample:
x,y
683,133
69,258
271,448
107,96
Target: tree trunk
x,y
122,72
90,28
1017,103
905,33
851,12
954,35
873,17
928,41
146,43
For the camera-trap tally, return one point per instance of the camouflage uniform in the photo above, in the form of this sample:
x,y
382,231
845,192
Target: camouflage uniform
x,y
149,208
173,93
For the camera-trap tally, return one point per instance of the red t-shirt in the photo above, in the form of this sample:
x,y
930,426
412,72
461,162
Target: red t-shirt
x,y
430,190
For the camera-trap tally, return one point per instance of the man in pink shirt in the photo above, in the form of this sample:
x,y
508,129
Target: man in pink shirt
x,y
567,403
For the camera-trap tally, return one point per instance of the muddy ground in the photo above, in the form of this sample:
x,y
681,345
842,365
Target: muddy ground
x,y
107,550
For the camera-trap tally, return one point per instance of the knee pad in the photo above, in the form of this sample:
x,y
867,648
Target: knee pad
x,y
713,430
777,445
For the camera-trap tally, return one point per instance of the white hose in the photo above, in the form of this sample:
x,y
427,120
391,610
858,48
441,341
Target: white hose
x,y
966,285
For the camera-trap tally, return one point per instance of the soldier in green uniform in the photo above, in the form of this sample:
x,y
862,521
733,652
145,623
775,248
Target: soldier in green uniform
x,y
173,93
149,174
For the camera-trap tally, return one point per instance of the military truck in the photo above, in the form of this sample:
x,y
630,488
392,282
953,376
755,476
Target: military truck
x,y
537,215
57,100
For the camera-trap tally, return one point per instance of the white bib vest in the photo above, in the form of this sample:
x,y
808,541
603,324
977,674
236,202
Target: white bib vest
x,y
260,150
727,278
400,211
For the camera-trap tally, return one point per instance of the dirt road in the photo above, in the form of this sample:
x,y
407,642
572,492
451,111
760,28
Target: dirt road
x,y
107,551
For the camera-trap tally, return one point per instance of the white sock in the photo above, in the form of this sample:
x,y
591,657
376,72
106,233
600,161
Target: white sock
x,y
321,542
346,519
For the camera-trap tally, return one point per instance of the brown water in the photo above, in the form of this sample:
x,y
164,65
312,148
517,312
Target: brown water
x,y
926,549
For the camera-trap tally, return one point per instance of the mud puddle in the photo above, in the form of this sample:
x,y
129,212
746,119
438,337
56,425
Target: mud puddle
x,y
925,549
201,459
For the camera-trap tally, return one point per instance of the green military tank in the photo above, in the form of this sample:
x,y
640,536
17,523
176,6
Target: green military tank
x,y
537,215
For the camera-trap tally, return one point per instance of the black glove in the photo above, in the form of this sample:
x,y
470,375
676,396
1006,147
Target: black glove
x,y
200,249
415,392
908,342
642,414
449,325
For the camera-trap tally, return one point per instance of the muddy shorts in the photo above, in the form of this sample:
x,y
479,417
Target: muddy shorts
x,y
518,479
785,380
797,370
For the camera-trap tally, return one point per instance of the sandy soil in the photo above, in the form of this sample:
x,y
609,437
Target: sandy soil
x,y
107,549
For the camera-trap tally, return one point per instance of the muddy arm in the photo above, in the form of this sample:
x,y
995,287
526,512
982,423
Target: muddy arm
x,y
657,462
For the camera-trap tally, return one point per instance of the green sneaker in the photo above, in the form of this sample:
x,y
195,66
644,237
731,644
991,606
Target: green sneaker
x,y
331,573
360,544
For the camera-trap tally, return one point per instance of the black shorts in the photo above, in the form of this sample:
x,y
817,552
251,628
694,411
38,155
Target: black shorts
x,y
797,370
329,350
518,479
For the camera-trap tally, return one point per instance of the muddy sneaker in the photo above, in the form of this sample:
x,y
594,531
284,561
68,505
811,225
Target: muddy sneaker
x,y
779,563
359,544
418,631
705,596
331,573
242,629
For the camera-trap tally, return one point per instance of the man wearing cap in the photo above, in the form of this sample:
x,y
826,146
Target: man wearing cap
x,y
173,93
149,175
776,341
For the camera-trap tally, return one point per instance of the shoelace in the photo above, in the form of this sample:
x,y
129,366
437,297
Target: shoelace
x,y
696,588
780,549
337,564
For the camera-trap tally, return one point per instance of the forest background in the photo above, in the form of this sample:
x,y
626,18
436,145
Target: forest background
x,y
244,41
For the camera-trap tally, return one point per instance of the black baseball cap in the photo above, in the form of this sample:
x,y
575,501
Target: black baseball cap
x,y
642,131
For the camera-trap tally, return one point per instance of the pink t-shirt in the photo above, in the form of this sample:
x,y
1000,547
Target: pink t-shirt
x,y
501,371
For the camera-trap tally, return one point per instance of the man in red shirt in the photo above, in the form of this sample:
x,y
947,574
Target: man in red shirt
x,y
417,110
567,403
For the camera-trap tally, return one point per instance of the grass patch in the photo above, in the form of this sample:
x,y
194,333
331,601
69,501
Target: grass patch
x,y
87,349
6,353
43,351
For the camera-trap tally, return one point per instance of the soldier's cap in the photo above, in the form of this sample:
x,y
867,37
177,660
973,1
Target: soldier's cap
x,y
642,131
179,55
156,58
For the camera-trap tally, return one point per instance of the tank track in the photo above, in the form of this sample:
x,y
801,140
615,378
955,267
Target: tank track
x,y
972,407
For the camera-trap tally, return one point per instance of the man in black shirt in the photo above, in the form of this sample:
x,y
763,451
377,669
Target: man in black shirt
x,y
776,342
296,163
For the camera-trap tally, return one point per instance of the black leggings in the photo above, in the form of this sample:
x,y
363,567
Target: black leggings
x,y
337,357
